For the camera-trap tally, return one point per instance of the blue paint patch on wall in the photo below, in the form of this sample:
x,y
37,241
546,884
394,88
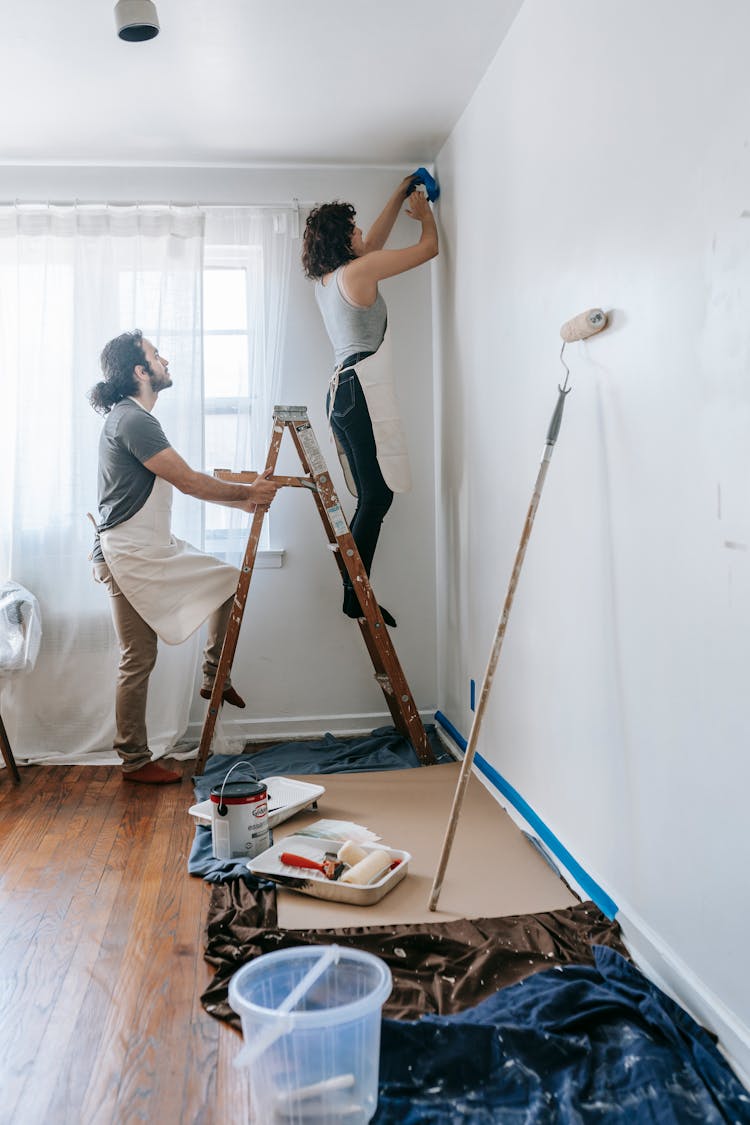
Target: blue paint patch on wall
x,y
558,849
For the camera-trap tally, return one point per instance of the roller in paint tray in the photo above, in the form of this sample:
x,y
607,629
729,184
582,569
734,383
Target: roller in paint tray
x,y
383,874
351,853
352,864
369,869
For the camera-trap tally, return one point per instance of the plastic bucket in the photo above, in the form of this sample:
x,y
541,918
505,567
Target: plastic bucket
x,y
311,1024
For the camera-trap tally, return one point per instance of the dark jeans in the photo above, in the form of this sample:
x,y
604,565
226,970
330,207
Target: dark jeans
x,y
350,422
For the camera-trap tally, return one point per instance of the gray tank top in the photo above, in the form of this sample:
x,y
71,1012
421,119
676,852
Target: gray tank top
x,y
349,328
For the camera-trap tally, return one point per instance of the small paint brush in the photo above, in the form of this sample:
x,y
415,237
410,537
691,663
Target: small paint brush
x,y
331,868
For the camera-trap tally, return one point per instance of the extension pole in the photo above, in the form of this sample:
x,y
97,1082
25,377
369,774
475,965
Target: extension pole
x,y
553,431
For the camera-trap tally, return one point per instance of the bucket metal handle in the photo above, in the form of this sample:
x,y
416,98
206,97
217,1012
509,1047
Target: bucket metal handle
x,y
222,809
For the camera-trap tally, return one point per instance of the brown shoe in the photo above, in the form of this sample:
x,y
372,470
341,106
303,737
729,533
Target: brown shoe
x,y
152,774
229,695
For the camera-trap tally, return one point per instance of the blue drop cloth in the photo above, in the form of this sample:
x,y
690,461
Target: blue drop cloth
x,y
567,1046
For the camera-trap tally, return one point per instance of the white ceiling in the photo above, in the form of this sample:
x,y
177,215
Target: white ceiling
x,y
236,81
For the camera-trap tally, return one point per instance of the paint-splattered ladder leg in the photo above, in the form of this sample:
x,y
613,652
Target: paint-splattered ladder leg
x,y
399,720
235,620
388,671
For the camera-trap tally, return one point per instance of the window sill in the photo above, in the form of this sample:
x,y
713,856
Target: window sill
x,y
272,559
229,545
264,560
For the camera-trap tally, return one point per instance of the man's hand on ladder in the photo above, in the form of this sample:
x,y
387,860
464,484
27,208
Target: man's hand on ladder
x,y
260,493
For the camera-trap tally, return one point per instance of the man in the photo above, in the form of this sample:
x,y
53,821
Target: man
x,y
159,586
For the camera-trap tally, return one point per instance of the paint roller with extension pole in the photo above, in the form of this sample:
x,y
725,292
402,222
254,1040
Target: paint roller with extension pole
x,y
579,328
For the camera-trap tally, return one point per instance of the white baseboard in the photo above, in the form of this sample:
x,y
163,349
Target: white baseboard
x,y
305,726
665,968
448,743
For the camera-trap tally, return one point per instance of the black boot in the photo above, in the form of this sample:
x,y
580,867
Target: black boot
x,y
352,608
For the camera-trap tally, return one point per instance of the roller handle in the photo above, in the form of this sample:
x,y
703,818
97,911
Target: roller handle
x,y
330,867
293,860
557,416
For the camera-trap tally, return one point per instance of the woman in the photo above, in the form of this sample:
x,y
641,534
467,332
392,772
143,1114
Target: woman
x,y
346,267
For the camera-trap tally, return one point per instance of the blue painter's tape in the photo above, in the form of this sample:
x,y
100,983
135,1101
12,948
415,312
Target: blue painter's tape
x,y
431,185
472,695
584,880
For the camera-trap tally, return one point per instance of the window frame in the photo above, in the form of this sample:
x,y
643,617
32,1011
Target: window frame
x,y
217,257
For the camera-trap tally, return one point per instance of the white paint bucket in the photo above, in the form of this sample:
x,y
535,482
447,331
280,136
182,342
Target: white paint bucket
x,y
239,819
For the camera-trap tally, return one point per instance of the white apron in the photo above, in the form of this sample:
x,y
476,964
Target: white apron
x,y
173,586
375,375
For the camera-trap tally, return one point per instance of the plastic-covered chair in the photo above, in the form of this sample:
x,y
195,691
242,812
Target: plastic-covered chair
x,y
20,637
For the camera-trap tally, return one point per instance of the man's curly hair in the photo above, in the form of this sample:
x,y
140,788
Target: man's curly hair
x,y
119,360
327,242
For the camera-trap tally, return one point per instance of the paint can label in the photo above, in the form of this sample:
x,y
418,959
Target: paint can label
x,y
239,821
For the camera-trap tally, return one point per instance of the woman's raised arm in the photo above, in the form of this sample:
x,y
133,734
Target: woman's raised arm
x,y
377,235
361,276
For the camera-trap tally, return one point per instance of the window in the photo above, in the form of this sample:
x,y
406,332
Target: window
x,y
229,287
232,282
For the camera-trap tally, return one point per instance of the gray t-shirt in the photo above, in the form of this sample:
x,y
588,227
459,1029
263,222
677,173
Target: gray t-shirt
x,y
130,436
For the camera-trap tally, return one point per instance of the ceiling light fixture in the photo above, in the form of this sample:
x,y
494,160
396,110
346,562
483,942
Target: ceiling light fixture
x,y
136,20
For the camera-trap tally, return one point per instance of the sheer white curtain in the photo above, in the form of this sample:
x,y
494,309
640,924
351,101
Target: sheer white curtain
x,y
70,279
259,242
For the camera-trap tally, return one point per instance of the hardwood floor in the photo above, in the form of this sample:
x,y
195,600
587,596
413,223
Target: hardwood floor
x,y
101,966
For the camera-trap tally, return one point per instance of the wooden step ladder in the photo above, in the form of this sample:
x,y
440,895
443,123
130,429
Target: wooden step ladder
x,y
317,480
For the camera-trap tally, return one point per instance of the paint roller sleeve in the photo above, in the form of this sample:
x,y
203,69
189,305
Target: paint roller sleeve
x,y
369,869
351,853
584,325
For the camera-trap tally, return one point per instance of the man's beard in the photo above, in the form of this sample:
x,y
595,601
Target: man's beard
x,y
159,382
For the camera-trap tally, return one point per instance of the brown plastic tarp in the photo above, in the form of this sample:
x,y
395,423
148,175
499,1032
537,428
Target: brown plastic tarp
x,y
438,967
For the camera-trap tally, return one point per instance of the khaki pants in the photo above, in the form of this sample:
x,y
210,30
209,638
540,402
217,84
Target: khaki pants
x,y
138,643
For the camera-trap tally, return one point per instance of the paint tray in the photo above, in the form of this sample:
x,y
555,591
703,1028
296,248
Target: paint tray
x,y
285,798
268,865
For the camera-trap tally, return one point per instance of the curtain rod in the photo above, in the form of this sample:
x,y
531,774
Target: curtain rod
x,y
294,204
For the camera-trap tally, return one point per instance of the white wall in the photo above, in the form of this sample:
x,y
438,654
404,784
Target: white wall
x,y
605,160
300,663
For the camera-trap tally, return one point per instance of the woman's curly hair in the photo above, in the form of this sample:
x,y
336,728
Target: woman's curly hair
x,y
327,242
